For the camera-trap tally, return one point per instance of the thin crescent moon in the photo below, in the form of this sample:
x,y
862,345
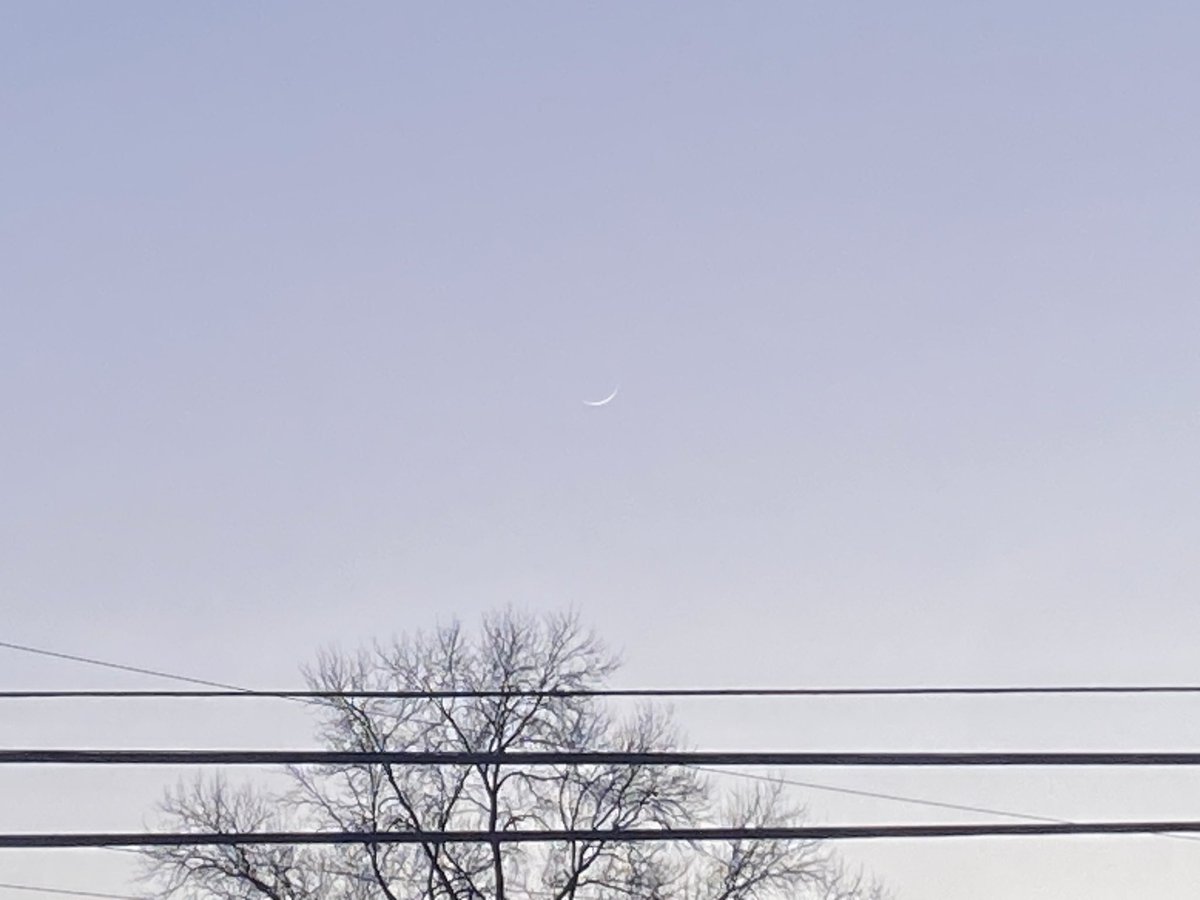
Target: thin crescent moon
x,y
603,402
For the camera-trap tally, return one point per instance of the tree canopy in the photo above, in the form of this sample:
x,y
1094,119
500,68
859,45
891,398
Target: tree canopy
x,y
510,652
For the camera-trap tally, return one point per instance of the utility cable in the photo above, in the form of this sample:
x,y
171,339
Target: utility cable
x,y
65,892
38,651
878,795
828,788
635,835
228,691
780,758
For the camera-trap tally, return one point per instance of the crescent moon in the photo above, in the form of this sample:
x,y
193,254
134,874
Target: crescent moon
x,y
603,402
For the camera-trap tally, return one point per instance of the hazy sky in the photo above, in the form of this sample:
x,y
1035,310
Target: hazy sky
x,y
299,304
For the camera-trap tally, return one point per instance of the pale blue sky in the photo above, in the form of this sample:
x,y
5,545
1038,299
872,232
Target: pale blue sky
x,y
299,303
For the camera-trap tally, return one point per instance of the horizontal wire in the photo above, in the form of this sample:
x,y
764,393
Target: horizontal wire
x,y
437,694
592,757
837,789
637,835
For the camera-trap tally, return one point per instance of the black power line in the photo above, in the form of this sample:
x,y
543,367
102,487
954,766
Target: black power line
x,y
437,694
225,690
638,835
829,788
590,757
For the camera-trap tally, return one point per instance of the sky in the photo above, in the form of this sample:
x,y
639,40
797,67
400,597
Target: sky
x,y
300,304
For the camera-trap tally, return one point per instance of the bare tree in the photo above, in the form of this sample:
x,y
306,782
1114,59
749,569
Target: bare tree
x,y
511,652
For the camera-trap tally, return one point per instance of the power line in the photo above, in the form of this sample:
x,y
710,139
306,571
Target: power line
x,y
39,651
637,835
914,801
1045,825
65,892
878,795
591,757
837,789
222,690
685,693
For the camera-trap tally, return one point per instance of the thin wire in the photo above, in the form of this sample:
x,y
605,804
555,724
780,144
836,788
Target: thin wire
x,y
228,691
876,795
65,892
544,836
123,668
938,804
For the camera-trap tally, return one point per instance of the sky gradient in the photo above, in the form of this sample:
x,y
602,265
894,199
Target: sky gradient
x,y
299,305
